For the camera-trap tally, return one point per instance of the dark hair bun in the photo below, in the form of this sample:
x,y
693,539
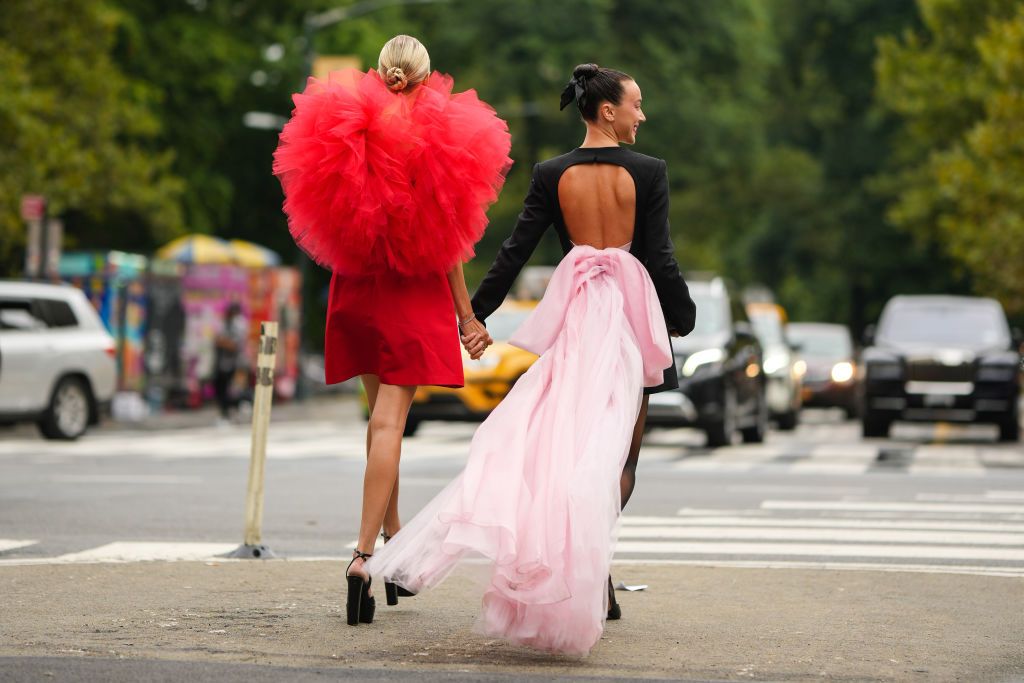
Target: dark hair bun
x,y
585,71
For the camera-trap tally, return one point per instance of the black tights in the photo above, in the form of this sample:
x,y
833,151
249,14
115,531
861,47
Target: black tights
x,y
628,479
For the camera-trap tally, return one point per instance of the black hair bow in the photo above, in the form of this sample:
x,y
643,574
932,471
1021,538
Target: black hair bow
x,y
573,91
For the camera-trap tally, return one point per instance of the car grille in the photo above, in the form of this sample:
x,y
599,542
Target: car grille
x,y
930,371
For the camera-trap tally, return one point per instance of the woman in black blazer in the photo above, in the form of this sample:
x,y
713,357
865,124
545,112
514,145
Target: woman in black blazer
x,y
592,86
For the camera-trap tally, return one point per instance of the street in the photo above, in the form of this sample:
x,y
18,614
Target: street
x,y
936,509
930,498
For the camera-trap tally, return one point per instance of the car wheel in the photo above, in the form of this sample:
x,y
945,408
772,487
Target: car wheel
x,y
1009,428
787,421
755,433
875,426
67,416
719,432
411,425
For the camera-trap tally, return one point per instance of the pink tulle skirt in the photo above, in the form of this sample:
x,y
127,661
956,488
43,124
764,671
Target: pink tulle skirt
x,y
539,497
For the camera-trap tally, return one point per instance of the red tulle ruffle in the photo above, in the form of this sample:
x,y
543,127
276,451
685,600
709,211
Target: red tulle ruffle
x,y
375,180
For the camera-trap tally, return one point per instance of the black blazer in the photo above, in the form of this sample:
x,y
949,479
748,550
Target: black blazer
x,y
652,241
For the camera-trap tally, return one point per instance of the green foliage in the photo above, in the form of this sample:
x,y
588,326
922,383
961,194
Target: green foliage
x,y
957,84
75,127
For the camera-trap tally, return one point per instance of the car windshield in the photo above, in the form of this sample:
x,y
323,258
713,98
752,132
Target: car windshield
x,y
501,324
956,324
712,313
822,342
768,328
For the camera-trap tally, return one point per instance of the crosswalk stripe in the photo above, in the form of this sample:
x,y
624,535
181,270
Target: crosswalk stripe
x,y
836,565
823,550
818,522
943,537
11,544
124,551
952,508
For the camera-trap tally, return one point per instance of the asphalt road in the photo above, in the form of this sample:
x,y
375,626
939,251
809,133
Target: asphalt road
x,y
929,499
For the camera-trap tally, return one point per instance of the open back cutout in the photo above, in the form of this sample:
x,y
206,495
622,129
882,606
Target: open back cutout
x,y
598,204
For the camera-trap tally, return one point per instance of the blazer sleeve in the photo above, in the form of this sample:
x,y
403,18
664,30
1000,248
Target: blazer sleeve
x,y
515,251
660,259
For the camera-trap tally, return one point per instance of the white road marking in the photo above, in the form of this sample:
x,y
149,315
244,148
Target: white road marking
x,y
125,551
1011,572
943,537
821,522
951,508
11,544
823,550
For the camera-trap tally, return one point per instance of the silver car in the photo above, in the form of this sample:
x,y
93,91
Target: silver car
x,y
57,360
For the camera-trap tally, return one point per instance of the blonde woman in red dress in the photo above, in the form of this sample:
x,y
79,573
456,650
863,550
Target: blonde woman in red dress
x,y
387,176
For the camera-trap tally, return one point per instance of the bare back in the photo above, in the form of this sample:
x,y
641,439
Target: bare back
x,y
598,203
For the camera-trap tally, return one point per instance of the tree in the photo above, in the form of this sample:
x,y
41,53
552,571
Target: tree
x,y
957,85
75,127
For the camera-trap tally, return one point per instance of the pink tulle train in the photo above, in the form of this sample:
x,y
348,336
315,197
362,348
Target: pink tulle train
x,y
375,180
539,496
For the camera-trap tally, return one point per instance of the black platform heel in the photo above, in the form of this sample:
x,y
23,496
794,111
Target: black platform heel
x,y
392,591
614,611
360,605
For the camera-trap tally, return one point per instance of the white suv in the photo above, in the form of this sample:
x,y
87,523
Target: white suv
x,y
57,360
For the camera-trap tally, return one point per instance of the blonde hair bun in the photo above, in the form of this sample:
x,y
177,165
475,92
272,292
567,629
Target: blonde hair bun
x,y
396,79
403,63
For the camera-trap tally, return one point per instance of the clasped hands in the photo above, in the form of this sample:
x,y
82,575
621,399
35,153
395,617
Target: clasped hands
x,y
475,338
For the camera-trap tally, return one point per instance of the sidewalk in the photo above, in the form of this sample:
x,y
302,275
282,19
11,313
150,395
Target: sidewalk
x,y
692,623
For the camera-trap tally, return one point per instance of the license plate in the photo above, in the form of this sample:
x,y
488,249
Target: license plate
x,y
939,400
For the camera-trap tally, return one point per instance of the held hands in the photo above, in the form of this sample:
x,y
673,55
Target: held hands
x,y
475,338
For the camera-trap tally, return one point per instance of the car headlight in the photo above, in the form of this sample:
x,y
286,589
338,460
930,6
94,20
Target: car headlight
x,y
842,372
884,371
700,358
800,368
775,362
996,373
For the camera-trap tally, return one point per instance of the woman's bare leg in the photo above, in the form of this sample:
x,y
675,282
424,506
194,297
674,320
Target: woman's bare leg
x,y
392,523
628,479
387,422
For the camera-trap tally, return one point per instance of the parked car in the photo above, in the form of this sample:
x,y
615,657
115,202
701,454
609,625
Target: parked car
x,y
830,378
721,378
57,360
945,358
782,365
488,380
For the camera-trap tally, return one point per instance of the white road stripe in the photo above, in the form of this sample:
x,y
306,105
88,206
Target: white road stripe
x,y
1011,572
836,535
819,522
11,544
823,550
145,551
889,506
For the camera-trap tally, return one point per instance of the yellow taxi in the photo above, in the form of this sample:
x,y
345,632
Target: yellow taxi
x,y
488,380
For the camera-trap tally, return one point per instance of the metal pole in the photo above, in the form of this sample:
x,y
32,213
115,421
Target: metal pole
x,y
251,547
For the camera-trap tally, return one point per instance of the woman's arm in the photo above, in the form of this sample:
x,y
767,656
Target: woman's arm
x,y
515,251
679,309
474,335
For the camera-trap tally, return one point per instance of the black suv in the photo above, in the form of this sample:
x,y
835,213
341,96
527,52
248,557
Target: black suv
x,y
721,378
945,358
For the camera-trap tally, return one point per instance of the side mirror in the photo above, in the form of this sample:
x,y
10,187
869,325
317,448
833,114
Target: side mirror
x,y
795,347
869,334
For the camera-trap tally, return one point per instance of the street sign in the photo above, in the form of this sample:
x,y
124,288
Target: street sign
x,y
32,207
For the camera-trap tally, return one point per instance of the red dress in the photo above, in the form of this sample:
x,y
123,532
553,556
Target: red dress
x,y
390,190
